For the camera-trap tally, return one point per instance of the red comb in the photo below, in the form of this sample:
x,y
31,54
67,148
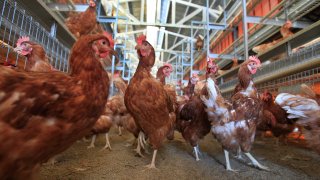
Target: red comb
x,y
141,38
22,39
255,59
109,37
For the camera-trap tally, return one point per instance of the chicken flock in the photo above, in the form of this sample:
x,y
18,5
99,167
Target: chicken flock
x,y
44,111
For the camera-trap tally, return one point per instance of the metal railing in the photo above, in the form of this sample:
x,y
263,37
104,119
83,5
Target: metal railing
x,y
16,22
294,60
289,84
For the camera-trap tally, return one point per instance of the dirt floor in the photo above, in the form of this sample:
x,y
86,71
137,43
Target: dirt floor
x,y
175,161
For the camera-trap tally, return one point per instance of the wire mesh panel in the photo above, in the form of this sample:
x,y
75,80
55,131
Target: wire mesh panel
x,y
291,84
16,22
305,55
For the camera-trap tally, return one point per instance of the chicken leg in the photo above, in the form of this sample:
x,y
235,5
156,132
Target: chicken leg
x,y
138,149
195,151
141,142
228,166
153,161
92,142
239,155
256,163
120,131
107,143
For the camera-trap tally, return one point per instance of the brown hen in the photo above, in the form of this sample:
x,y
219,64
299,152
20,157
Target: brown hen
x,y
44,113
84,22
37,61
275,117
147,100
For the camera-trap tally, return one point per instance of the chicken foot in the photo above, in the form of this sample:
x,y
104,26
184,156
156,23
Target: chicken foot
x,y
120,131
138,149
140,143
153,161
142,140
107,143
92,142
239,155
256,163
196,151
228,166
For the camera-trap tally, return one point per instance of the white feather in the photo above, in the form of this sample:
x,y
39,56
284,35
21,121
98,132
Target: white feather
x,y
229,128
211,88
249,89
295,105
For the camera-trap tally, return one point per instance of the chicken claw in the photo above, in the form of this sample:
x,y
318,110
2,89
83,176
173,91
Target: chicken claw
x,y
138,149
153,162
228,166
239,155
92,142
197,152
91,146
120,131
255,163
107,143
150,166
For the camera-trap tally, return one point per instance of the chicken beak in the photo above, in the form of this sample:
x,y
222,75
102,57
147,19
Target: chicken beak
x,y
17,49
138,47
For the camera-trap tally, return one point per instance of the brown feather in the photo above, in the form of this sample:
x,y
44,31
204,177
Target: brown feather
x,y
147,100
44,113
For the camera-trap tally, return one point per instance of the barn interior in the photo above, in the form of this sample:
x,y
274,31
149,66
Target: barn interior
x,y
207,41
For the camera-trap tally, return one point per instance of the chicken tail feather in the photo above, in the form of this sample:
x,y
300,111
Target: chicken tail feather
x,y
296,106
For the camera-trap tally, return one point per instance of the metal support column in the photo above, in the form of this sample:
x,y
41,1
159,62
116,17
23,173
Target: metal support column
x,y
288,45
208,29
245,29
115,31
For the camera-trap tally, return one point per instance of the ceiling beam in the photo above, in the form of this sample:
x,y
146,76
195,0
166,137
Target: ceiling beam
x,y
177,44
171,59
179,30
163,18
213,12
142,10
191,15
132,32
173,11
166,25
67,7
127,14
176,34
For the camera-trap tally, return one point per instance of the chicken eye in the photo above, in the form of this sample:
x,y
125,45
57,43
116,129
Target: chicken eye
x,y
104,42
145,43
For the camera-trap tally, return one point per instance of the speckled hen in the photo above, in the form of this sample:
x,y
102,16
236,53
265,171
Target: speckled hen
x,y
234,126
